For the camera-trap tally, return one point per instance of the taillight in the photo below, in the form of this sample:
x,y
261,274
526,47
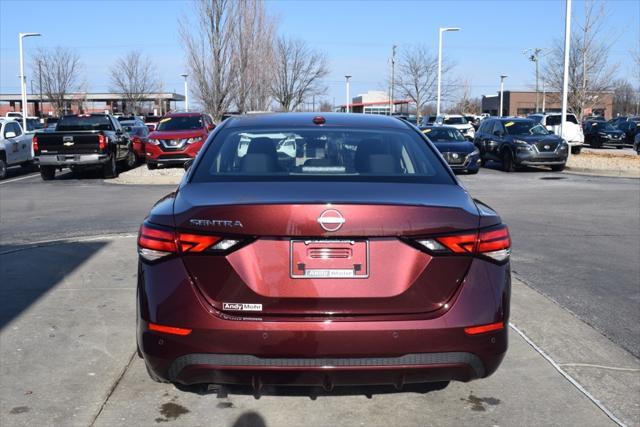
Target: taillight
x,y
482,329
155,243
102,142
493,243
36,146
136,140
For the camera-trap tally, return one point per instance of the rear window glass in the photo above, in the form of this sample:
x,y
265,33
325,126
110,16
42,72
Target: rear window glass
x,y
75,123
555,120
322,154
455,121
180,123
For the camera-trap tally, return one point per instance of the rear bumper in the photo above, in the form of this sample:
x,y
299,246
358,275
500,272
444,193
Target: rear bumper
x,y
246,348
65,160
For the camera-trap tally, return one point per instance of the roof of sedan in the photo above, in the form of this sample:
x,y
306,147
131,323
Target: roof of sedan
x,y
306,119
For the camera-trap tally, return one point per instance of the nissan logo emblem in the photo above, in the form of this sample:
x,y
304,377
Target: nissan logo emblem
x,y
331,220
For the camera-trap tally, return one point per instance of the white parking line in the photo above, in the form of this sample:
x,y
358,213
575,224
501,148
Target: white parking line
x,y
568,377
21,178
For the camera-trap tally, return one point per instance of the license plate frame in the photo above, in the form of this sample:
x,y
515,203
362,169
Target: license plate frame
x,y
359,246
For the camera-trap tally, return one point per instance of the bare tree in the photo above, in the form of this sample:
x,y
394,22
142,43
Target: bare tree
x,y
57,75
297,73
624,98
418,76
325,106
210,47
135,77
466,104
589,70
254,38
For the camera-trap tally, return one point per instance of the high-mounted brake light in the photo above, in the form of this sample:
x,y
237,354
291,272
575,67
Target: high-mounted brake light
x,y
319,120
36,145
155,243
494,243
102,142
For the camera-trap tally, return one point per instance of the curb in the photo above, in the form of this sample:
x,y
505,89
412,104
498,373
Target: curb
x,y
601,172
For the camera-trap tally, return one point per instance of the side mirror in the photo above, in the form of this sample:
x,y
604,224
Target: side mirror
x,y
9,134
211,127
128,128
118,131
188,164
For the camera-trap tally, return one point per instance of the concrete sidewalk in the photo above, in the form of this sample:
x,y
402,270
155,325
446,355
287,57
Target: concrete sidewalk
x,y
67,348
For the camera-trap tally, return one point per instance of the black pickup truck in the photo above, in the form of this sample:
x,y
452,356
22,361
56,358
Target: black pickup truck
x,y
84,141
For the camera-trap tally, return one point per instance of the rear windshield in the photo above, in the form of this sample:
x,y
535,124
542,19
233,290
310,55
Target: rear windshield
x,y
321,154
524,127
436,134
455,121
180,123
556,119
75,123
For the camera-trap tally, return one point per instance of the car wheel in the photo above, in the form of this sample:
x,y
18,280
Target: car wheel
x,y
110,169
152,166
132,160
507,161
558,168
47,173
576,150
3,169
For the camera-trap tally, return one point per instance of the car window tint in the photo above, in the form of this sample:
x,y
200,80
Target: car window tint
x,y
320,155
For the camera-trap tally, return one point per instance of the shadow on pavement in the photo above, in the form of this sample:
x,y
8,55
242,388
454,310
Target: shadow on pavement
x,y
222,391
27,273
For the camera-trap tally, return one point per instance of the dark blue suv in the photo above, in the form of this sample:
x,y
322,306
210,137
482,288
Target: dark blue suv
x,y
520,142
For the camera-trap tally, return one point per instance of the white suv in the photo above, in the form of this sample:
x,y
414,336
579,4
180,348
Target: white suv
x,y
572,134
459,122
15,147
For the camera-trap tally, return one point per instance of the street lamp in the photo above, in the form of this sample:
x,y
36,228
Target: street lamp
x,y
441,30
565,74
186,92
347,87
502,77
23,80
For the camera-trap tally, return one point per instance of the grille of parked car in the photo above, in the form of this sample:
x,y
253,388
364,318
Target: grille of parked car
x,y
546,147
172,144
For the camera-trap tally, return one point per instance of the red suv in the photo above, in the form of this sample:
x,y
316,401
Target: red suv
x,y
178,137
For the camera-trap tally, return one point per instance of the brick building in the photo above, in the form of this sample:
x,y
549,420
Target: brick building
x,y
521,103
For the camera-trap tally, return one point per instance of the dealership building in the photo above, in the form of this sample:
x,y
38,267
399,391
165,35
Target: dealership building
x,y
156,103
375,102
523,103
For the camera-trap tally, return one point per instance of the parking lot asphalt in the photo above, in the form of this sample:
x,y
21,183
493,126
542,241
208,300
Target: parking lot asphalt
x,y
67,316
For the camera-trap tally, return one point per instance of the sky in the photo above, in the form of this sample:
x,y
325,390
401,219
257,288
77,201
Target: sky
x,y
355,35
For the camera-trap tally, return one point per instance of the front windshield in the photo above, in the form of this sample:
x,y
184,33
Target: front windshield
x,y
180,123
455,121
524,127
443,135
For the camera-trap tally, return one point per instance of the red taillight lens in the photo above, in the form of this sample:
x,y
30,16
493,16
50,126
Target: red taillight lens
x,y
475,330
36,146
196,242
136,140
155,243
102,142
494,243
169,329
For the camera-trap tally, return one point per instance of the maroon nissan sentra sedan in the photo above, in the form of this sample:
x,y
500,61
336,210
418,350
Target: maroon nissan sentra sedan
x,y
321,250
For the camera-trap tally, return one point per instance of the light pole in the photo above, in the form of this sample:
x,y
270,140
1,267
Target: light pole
x,y
535,57
440,31
502,77
186,92
565,78
347,87
393,78
23,82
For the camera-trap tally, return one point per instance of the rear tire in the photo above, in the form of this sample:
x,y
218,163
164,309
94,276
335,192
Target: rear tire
x,y
507,161
152,166
576,150
132,160
47,173
558,168
3,169
110,168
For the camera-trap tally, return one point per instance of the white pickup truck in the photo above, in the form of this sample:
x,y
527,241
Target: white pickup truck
x,y
573,134
15,146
